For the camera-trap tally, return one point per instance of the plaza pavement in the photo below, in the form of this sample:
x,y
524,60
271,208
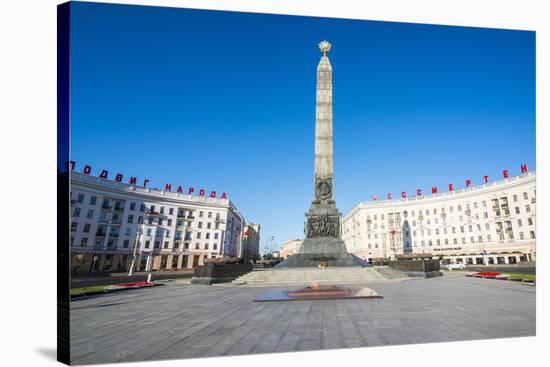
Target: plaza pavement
x,y
192,321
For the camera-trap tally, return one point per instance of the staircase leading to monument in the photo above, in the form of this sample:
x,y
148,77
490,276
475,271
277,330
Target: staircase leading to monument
x,y
306,276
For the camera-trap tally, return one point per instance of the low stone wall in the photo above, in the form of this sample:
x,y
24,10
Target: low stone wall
x,y
504,268
219,273
417,268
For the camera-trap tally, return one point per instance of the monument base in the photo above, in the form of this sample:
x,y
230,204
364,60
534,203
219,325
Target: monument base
x,y
321,252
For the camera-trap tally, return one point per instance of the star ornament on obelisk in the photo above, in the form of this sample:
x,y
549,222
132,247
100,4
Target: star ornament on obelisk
x,y
325,46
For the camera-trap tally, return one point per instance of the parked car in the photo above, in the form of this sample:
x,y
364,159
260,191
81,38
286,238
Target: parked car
x,y
455,266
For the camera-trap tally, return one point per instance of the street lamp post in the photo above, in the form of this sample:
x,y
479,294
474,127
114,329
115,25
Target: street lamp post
x,y
134,256
267,243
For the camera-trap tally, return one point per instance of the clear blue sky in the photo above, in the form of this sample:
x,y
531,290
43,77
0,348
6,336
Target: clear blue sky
x,y
226,101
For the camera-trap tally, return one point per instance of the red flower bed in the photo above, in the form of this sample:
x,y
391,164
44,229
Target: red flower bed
x,y
486,274
135,284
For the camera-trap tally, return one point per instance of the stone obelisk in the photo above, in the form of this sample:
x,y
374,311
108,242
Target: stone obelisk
x,y
322,243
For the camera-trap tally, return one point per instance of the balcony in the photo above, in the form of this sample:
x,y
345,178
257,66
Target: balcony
x,y
118,209
100,234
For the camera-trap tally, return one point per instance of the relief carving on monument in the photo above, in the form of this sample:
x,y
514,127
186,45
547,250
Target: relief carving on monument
x,y
322,226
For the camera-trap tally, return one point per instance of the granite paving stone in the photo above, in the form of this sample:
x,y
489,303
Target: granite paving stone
x,y
190,321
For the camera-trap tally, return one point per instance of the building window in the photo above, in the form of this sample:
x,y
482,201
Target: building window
x,y
455,241
201,214
197,246
198,235
200,224
488,238
80,198
142,208
171,211
176,245
161,210
90,214
215,246
209,214
86,228
215,236
206,246
140,219
519,223
487,226
132,206
527,208
130,218
157,244
525,197
150,220
128,231
207,235
521,236
169,222
76,212
485,215
515,198
166,244
147,244
149,232
126,243
517,209
532,234
208,225
93,200
530,221
160,221
73,226
83,241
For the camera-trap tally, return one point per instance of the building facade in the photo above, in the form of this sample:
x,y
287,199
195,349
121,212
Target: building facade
x,y
289,248
250,244
111,221
493,222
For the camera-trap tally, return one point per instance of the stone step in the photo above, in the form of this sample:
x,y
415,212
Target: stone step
x,y
274,277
